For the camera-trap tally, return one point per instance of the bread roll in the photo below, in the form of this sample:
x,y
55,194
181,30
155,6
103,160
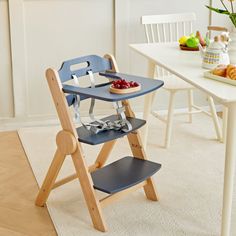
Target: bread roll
x,y
231,72
220,70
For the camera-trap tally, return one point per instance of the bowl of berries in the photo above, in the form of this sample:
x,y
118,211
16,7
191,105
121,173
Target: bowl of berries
x,y
122,86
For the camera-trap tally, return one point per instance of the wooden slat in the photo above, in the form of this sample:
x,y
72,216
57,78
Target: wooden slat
x,y
73,176
88,191
50,178
104,153
116,196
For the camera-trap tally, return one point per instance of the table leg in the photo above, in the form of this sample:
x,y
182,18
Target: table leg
x,y
147,105
230,158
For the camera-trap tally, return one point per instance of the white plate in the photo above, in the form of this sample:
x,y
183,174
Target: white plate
x,y
209,75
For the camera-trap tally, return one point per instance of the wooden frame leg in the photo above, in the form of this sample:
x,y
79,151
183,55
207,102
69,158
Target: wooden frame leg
x,y
169,120
215,118
50,178
190,104
104,153
88,191
138,152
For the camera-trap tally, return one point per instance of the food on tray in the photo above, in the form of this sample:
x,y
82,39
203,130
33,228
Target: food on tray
x,y
231,72
220,70
227,71
123,84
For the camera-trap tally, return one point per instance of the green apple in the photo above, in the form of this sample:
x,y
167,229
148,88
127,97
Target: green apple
x,y
192,42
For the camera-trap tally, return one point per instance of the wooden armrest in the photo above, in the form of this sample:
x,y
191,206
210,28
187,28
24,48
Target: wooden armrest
x,y
217,28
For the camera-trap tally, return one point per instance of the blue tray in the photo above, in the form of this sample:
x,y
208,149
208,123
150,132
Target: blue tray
x,y
102,92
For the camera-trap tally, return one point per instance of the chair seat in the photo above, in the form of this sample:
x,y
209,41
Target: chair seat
x,y
172,82
86,136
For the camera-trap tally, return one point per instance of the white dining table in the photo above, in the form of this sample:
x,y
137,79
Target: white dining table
x,y
187,66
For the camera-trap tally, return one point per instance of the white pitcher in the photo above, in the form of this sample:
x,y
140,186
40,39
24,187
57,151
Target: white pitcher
x,y
215,54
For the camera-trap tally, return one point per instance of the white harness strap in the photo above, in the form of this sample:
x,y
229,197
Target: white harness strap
x,y
97,125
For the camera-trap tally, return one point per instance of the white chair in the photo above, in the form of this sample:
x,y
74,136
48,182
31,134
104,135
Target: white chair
x,y
168,28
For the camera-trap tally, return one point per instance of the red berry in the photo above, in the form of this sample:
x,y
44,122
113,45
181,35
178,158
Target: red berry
x,y
123,84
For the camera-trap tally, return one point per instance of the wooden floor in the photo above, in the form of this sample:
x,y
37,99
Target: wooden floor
x,y
18,188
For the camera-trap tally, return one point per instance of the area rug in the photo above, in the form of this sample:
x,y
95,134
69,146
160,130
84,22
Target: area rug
x,y
190,184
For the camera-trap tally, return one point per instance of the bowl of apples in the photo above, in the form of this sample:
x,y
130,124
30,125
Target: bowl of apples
x,y
191,42
122,86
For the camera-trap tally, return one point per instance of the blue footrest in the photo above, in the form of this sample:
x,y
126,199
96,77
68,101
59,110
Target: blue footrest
x,y
123,174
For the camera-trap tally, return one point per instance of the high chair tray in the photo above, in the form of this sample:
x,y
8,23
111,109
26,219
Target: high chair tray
x,y
123,174
86,136
102,92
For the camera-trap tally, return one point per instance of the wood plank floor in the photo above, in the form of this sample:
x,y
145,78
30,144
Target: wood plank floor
x,y
18,189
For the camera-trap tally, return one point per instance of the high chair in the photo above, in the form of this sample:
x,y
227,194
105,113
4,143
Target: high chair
x,y
118,178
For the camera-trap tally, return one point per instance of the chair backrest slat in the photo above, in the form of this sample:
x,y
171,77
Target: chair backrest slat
x,y
191,26
164,32
177,30
147,34
158,34
170,32
184,28
152,34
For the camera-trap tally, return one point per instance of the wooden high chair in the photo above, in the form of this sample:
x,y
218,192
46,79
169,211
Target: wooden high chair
x,y
118,178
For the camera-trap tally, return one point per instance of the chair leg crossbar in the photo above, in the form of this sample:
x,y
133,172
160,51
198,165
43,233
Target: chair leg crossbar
x,y
134,172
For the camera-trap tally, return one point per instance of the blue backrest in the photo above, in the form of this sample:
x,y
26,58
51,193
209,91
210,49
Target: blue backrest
x,y
93,63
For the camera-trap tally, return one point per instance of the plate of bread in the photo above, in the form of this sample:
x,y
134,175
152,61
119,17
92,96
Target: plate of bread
x,y
223,73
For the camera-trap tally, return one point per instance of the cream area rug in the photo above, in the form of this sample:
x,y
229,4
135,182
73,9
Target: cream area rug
x,y
190,184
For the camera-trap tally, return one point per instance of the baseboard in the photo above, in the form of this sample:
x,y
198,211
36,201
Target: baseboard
x,y
17,123
180,110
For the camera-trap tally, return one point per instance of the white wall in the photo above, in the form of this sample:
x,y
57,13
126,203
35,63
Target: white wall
x,y
36,34
6,92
